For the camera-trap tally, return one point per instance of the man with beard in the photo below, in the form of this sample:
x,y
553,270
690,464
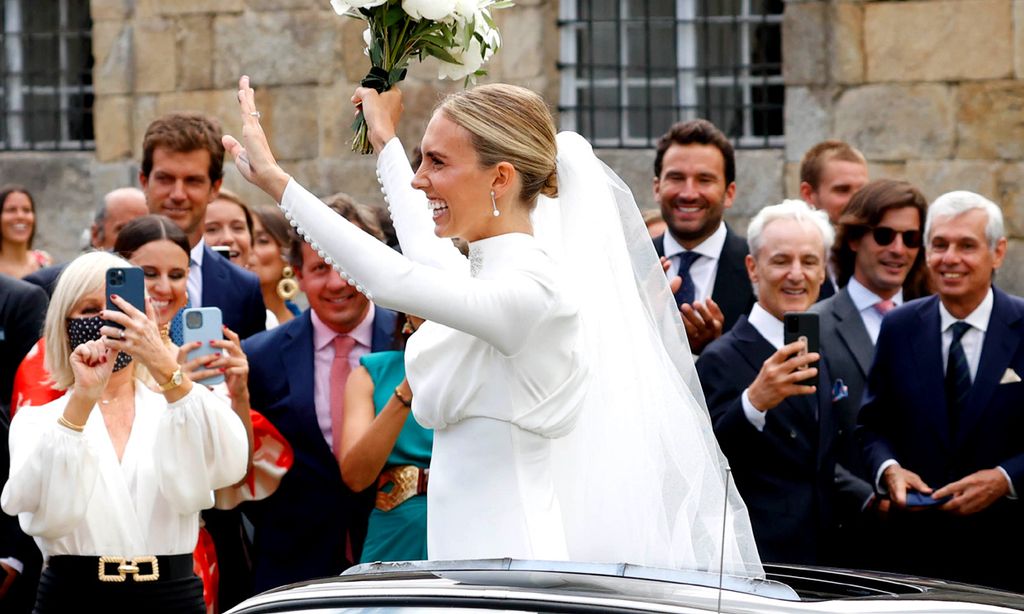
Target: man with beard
x,y
694,183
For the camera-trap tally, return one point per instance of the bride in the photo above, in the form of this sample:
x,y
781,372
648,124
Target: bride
x,y
569,422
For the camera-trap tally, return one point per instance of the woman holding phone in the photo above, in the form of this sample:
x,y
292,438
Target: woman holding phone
x,y
111,477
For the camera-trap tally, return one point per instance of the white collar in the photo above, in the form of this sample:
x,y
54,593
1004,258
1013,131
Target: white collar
x,y
768,325
196,255
863,298
978,318
710,247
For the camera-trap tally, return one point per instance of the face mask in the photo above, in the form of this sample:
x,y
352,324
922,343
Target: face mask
x,y
81,330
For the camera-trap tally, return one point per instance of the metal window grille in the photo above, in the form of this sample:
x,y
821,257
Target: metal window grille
x,y
46,93
630,68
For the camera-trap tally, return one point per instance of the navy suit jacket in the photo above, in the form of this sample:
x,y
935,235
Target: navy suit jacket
x,y
22,311
904,417
784,473
300,530
236,292
46,277
732,291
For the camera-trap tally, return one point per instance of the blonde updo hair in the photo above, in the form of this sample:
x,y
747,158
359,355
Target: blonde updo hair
x,y
512,124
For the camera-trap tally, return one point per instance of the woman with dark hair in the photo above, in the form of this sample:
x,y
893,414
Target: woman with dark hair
x,y
17,231
272,242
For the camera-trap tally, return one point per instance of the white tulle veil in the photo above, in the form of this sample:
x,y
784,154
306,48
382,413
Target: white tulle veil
x,y
641,478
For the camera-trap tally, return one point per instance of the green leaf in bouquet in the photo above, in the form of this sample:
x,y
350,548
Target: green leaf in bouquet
x,y
502,4
467,32
441,54
393,16
376,54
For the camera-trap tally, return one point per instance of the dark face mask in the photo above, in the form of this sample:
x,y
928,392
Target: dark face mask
x,y
81,330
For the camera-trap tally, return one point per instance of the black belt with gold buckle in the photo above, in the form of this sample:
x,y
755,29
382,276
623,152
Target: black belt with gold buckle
x,y
147,568
407,482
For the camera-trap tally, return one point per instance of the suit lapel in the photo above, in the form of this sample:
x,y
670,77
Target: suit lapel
x,y
297,356
732,289
850,327
1002,339
930,371
215,279
659,245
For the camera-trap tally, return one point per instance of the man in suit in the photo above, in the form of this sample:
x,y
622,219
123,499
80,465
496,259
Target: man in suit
x,y
831,172
878,262
22,311
181,173
694,183
119,207
313,526
776,431
942,414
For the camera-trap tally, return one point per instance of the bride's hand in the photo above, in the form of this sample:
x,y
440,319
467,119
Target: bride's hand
x,y
254,160
381,111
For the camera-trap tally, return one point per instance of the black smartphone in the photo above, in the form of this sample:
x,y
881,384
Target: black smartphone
x,y
128,283
803,326
223,250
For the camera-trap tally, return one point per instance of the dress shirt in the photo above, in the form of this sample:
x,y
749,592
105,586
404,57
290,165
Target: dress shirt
x,y
865,300
323,356
772,330
704,269
972,343
195,274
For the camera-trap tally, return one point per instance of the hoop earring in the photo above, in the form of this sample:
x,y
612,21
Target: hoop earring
x,y
494,205
408,328
287,288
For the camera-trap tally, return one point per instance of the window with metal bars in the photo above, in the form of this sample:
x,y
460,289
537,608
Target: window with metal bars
x,y
46,94
630,68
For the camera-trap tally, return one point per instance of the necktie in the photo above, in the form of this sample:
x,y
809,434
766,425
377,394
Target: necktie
x,y
340,369
687,291
958,376
884,307
177,332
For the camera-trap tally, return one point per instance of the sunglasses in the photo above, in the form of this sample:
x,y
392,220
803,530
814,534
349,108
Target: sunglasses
x,y
883,235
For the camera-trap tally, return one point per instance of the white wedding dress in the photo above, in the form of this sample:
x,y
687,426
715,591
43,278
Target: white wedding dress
x,y
563,430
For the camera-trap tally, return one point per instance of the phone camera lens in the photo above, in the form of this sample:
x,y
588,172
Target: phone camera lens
x,y
194,319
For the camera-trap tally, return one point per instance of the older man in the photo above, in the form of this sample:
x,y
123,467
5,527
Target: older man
x,y
777,431
942,425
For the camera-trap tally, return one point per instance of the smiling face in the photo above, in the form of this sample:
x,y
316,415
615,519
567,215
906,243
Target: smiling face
x,y
179,187
789,267
165,267
692,192
960,260
457,189
340,306
265,259
883,268
840,180
17,219
225,224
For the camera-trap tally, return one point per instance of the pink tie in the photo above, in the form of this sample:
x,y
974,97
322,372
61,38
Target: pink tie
x,y
884,307
340,370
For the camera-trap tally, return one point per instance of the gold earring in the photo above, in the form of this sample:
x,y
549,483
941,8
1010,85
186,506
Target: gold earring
x,y
287,288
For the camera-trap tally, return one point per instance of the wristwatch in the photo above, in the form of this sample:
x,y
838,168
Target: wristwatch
x,y
174,382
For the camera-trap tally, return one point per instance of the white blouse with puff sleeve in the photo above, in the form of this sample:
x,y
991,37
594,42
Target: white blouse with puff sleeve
x,y
497,370
70,492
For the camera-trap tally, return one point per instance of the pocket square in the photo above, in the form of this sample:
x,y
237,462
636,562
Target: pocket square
x,y
839,391
1010,377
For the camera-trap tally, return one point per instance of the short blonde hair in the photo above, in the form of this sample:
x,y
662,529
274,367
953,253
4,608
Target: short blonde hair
x,y
510,124
84,275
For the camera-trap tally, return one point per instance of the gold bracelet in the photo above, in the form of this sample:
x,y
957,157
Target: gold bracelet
x,y
398,395
61,420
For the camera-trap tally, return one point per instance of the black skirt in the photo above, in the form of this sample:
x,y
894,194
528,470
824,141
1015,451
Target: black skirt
x,y
72,584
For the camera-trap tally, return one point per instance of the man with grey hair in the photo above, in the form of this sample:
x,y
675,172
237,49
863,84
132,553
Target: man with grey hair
x,y
941,425
777,430
119,207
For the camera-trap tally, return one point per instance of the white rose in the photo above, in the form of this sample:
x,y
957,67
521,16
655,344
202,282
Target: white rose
x,y
471,62
343,7
433,10
466,9
367,35
491,36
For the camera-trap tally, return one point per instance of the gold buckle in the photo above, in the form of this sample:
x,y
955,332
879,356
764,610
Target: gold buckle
x,y
404,479
126,567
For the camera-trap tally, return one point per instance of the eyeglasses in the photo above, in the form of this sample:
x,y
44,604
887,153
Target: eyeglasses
x,y
883,235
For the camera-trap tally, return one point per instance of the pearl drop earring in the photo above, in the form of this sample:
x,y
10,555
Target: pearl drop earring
x,y
494,205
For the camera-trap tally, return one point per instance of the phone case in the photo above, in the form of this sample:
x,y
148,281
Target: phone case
x,y
129,283
916,499
203,324
803,325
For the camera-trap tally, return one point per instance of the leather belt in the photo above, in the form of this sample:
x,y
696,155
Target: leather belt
x,y
121,569
407,482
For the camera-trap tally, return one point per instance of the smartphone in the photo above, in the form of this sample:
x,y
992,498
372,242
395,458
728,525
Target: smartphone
x,y
223,250
803,326
203,324
916,499
129,283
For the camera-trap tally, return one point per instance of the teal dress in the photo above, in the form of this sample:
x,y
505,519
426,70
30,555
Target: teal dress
x,y
400,534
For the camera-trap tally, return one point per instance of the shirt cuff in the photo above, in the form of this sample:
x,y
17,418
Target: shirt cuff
x,y
1013,492
879,486
14,564
754,417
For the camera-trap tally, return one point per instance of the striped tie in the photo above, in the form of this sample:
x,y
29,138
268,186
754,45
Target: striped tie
x,y
958,376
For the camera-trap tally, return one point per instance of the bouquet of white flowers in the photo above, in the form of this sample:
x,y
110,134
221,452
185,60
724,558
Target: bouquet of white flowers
x,y
459,33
